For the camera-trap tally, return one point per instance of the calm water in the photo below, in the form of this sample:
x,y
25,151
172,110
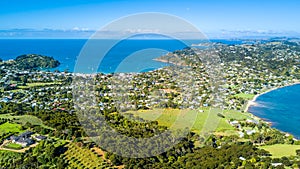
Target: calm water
x,y
282,108
67,51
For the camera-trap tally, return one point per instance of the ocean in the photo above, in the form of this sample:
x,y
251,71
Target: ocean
x,y
67,50
281,107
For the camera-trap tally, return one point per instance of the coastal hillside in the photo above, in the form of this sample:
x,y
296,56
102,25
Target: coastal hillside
x,y
32,61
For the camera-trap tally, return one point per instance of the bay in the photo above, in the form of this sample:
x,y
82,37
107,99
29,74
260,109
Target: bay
x,y
281,107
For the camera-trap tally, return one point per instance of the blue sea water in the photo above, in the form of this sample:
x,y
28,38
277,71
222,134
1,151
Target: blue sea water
x,y
281,107
67,51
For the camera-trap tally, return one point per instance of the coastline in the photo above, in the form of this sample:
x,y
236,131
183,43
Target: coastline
x,y
166,61
252,102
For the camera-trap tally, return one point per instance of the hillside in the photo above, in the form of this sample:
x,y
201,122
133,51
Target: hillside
x,y
33,61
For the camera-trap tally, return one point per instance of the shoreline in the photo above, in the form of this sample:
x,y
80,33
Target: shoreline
x,y
166,61
252,101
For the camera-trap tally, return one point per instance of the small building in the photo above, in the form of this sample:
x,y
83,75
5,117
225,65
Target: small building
x,y
241,134
24,142
276,164
242,158
252,121
26,134
40,138
235,124
23,139
250,132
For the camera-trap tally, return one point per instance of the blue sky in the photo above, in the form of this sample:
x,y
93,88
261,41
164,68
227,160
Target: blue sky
x,y
207,15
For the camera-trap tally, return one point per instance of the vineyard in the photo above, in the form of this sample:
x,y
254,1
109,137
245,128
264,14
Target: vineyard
x,y
79,157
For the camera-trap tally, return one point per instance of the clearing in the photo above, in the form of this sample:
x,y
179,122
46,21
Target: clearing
x,y
25,119
10,127
280,150
245,96
205,120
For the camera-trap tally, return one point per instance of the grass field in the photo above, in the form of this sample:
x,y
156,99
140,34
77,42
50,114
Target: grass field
x,y
10,127
13,146
245,96
233,114
37,84
24,119
280,150
206,121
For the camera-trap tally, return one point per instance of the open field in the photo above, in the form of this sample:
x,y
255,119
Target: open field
x,y
235,115
37,84
174,118
280,150
10,127
245,96
24,119
30,85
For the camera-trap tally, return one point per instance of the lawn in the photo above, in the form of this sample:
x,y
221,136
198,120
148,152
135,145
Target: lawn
x,y
280,150
24,119
206,121
13,146
10,127
245,96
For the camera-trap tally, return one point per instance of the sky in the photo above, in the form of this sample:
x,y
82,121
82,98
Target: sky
x,y
206,15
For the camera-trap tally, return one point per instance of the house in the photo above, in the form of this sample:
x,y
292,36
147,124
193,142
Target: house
x,y
242,158
24,142
241,134
26,134
235,124
23,139
250,132
276,164
252,121
40,138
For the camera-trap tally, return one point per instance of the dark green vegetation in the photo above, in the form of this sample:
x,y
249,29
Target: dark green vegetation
x,y
7,158
32,62
25,62
45,155
42,102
